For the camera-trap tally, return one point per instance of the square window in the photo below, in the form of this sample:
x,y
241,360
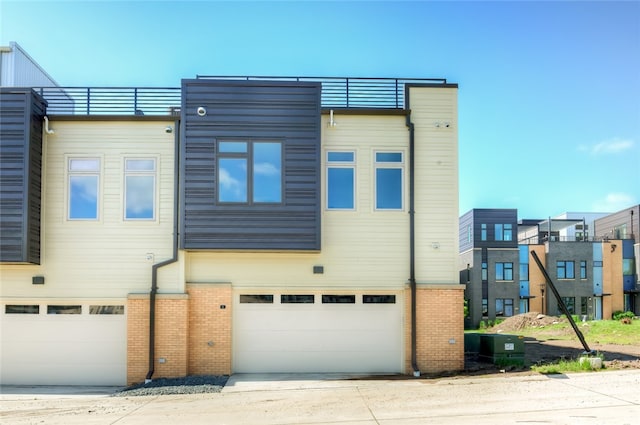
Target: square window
x,y
249,172
504,271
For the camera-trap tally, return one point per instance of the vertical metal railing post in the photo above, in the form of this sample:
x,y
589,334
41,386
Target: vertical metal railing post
x,y
347,91
135,101
397,93
88,100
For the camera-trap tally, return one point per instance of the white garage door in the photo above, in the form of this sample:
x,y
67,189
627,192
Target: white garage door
x,y
318,332
44,344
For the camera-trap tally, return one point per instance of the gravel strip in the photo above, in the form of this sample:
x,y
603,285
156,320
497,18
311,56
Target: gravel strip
x,y
168,386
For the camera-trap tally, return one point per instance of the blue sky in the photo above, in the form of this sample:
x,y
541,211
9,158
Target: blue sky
x,y
549,92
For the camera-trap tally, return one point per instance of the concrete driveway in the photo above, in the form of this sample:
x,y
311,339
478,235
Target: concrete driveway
x,y
590,398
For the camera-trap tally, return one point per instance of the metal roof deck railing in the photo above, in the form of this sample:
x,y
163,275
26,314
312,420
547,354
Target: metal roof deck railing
x,y
371,93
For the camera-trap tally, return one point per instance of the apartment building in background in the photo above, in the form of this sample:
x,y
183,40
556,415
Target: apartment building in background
x,y
596,274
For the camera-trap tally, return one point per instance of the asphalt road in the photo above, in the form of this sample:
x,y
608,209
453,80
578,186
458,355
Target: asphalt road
x,y
599,398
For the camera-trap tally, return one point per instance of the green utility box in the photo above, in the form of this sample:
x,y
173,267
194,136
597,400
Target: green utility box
x,y
472,342
502,349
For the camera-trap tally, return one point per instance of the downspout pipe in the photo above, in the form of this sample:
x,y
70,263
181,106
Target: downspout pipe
x,y
173,259
412,243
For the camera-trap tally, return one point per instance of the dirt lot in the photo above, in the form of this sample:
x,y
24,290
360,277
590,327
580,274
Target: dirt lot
x,y
549,350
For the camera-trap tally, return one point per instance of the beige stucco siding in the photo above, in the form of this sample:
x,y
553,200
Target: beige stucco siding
x,y
436,173
107,257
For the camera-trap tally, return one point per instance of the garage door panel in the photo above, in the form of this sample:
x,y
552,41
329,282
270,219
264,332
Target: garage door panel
x,y
74,349
318,337
319,361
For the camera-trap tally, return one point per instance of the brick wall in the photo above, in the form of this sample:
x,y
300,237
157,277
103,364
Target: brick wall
x,y
210,307
440,328
171,344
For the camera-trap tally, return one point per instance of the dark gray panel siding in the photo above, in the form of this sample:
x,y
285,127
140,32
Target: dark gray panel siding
x,y
287,112
465,221
491,217
21,115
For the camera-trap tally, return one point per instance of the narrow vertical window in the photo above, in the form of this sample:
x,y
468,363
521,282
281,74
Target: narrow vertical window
x,y
507,232
267,172
232,171
483,232
139,189
84,183
341,180
583,269
485,271
498,232
389,175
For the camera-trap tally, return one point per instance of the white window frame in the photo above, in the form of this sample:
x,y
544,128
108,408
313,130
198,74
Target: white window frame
x,y
341,164
389,165
153,173
69,173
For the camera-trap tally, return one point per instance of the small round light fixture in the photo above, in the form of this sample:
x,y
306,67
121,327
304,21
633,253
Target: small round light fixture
x,y
202,111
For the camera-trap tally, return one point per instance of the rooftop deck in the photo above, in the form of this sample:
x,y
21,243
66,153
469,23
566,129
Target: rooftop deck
x,y
369,93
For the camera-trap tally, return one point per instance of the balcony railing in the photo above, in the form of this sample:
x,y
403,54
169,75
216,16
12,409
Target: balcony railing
x,y
111,100
372,93
344,92
537,240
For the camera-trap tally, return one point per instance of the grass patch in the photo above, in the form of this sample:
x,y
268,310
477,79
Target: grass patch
x,y
595,332
563,366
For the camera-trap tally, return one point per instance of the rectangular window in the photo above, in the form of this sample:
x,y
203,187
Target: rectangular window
x,y
21,309
338,299
267,172
503,232
565,270
570,303
508,232
483,232
250,172
64,309
628,266
256,299
139,189
485,307
83,187
378,299
297,299
504,307
341,180
389,176
485,271
469,234
504,271
106,309
584,305
524,271
583,269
